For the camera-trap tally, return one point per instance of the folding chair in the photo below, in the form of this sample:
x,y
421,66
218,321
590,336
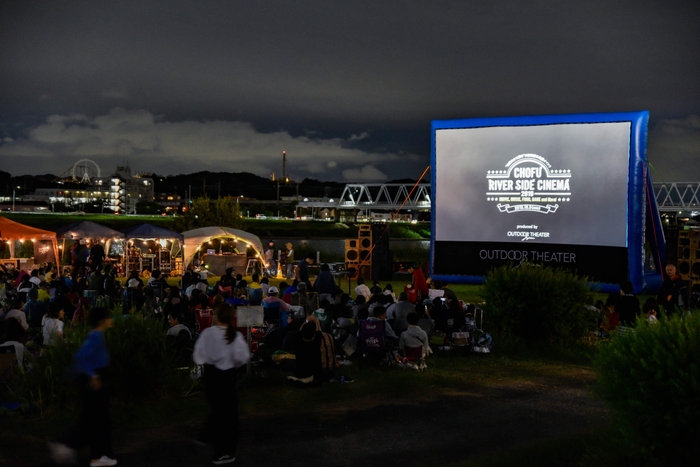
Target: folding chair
x,y
271,313
8,358
256,296
413,356
203,318
371,341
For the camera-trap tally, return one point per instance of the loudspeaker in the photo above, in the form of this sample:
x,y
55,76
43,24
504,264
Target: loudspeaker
x,y
365,244
382,258
352,252
694,257
687,240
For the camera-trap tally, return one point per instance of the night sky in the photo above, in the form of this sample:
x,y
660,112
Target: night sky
x,y
348,89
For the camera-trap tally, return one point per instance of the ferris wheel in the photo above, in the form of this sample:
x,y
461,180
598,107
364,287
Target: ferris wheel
x,y
85,170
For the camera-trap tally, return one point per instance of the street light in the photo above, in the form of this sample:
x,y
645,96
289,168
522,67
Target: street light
x,y
13,199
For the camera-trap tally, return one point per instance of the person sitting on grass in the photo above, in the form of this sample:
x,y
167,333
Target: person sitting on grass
x,y
265,286
380,315
179,337
44,292
132,297
400,311
360,303
414,336
16,312
308,353
238,298
52,330
255,284
627,305
425,322
362,289
389,290
651,310
35,309
273,298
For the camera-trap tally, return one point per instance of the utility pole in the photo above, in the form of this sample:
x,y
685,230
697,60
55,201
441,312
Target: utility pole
x,y
284,165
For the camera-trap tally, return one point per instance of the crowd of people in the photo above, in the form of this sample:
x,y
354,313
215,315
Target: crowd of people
x,y
312,323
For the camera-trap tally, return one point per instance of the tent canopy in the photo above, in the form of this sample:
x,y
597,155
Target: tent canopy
x,y
14,230
151,231
11,230
87,229
195,238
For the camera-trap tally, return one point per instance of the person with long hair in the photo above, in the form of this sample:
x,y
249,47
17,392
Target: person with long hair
x,y
221,349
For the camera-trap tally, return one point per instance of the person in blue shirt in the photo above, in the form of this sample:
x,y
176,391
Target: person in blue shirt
x,y
93,428
325,284
303,269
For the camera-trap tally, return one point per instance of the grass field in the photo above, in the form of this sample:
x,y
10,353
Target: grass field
x,y
262,228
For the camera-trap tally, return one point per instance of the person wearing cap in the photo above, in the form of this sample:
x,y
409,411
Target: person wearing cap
x,y
289,261
133,297
273,297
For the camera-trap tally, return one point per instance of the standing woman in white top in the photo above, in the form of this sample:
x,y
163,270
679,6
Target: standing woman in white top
x,y
221,349
53,326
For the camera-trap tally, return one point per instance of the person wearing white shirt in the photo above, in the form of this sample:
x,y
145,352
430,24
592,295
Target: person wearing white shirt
x,y
221,349
362,289
52,330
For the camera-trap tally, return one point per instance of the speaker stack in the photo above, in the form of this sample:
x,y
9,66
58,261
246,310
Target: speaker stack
x,y
352,255
685,250
689,258
369,254
382,259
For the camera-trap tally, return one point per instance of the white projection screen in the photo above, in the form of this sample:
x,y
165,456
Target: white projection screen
x,y
553,190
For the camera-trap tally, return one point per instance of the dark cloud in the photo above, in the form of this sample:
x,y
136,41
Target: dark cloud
x,y
368,75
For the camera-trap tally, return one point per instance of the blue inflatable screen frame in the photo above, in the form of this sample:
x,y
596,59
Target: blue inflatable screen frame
x,y
638,183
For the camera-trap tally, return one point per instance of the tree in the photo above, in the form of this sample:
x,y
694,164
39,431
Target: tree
x,y
203,212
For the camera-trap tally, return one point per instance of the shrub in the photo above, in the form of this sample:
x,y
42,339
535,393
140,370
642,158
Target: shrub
x,y
538,305
651,380
141,366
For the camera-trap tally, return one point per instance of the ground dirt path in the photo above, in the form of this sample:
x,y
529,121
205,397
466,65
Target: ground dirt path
x,y
459,425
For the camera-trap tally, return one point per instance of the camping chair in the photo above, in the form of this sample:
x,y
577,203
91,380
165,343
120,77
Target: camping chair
x,y
204,318
8,358
271,313
256,296
413,357
371,341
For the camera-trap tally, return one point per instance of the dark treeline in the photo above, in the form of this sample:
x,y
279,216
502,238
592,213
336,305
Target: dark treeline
x,y
212,184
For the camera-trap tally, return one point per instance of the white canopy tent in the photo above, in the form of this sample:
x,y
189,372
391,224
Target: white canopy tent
x,y
194,239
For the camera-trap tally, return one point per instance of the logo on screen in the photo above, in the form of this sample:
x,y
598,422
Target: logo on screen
x,y
528,184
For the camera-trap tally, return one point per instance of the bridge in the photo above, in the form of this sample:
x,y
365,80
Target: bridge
x,y
381,196
677,196
670,197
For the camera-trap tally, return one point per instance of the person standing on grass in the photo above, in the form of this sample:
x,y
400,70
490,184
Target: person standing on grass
x,y
221,349
93,428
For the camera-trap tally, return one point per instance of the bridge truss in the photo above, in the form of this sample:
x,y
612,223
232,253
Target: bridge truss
x,y
677,196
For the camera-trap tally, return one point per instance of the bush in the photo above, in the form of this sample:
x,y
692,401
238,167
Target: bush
x,y
538,305
141,366
651,380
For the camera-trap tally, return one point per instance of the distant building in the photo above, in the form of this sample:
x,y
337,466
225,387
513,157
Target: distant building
x,y
125,190
119,192
170,202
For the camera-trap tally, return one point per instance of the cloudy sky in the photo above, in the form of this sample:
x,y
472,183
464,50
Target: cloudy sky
x,y
348,89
